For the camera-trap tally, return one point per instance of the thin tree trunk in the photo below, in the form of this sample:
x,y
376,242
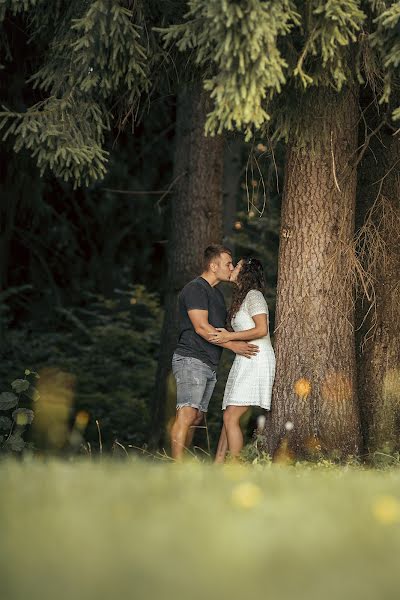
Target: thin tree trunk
x,y
314,407
196,222
378,209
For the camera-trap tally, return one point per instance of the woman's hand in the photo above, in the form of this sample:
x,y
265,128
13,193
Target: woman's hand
x,y
221,337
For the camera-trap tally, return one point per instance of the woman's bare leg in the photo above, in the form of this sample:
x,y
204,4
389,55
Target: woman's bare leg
x,y
222,447
232,415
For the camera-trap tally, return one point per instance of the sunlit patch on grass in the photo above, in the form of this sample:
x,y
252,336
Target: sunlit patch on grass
x,y
246,495
386,510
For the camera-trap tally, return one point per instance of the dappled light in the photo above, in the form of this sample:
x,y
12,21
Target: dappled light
x,y
284,455
336,386
313,444
386,510
302,388
391,386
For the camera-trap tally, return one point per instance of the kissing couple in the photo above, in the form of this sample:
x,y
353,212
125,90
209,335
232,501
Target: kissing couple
x,y
205,328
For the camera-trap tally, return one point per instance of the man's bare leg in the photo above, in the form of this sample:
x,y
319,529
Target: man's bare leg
x,y
185,417
232,415
197,422
222,447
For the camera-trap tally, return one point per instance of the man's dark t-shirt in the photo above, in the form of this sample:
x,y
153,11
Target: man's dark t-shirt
x,y
199,294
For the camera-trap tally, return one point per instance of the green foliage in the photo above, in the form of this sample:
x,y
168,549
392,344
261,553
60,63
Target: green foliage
x,y
16,6
64,134
96,54
100,56
8,400
260,59
108,347
241,42
328,29
386,41
100,51
385,459
115,372
12,429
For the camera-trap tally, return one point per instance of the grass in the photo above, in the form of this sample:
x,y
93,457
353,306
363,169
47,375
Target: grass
x,y
119,530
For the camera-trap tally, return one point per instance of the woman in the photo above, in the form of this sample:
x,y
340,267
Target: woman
x,y
250,380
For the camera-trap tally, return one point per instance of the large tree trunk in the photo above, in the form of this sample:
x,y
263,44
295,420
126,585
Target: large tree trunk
x,y
314,406
378,212
196,222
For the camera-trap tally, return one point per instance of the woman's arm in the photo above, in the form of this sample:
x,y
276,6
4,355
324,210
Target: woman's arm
x,y
202,327
260,330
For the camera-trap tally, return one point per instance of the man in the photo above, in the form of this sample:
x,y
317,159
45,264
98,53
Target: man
x,y
195,361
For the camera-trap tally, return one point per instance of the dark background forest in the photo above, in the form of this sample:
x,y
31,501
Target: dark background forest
x,y
83,271
110,190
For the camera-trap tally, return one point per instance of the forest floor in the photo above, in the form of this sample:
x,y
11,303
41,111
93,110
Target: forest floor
x,y
134,529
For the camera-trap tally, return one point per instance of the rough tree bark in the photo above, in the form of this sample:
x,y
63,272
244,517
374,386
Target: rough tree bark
x,y
378,213
196,222
315,387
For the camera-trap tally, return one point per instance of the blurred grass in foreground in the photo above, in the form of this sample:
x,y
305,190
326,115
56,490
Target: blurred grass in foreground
x,y
137,530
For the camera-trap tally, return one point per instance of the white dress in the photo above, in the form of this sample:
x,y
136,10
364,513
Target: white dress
x,y
250,380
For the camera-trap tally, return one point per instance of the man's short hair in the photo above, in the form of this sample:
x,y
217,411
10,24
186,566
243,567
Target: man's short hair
x,y
212,252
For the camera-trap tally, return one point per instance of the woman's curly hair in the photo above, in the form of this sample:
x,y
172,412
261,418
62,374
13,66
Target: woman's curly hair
x,y
251,277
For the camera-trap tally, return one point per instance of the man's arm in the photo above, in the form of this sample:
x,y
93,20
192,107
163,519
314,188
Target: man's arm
x,y
202,327
260,330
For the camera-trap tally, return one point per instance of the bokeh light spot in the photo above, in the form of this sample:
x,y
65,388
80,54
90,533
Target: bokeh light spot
x,y
261,419
82,419
302,387
246,495
386,510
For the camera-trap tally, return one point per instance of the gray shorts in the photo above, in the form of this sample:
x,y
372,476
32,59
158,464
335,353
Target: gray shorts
x,y
195,382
